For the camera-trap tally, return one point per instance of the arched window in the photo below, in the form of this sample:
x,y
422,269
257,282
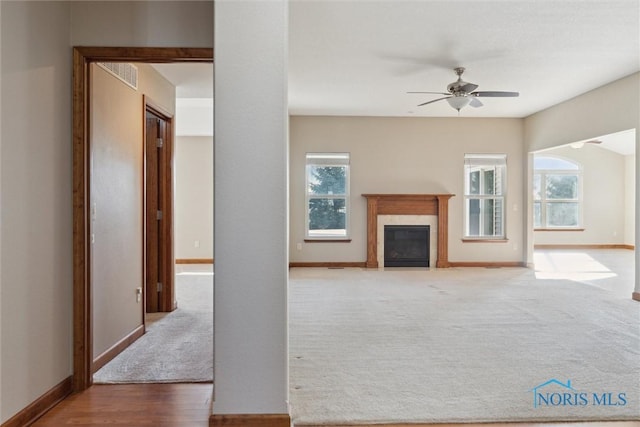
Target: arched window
x,y
557,193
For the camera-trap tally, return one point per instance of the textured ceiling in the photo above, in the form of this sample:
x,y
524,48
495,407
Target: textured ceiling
x,y
361,57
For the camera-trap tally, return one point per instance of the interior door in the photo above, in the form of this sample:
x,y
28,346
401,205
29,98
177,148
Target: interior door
x,y
159,295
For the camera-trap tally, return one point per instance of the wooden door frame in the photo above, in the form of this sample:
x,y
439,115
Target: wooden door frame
x,y
167,301
83,56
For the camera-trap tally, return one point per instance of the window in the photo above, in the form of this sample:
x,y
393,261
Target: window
x,y
556,193
484,190
327,198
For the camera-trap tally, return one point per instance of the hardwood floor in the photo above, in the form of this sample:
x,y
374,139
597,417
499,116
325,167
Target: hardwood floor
x,y
186,405
169,405
574,424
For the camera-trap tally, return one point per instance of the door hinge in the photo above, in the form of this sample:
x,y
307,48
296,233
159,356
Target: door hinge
x,y
159,287
159,215
159,143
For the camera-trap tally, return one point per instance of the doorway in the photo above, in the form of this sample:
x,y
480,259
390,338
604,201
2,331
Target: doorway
x,y
584,211
83,57
159,271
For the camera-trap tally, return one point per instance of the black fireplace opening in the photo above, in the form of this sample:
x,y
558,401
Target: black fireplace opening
x,y
406,246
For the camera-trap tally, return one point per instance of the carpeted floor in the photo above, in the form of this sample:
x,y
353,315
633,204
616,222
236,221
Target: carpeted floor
x,y
459,345
178,346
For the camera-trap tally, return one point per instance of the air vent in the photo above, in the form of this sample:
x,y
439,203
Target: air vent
x,y
127,73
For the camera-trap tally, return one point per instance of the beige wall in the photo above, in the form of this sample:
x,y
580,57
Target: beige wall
x,y
406,155
117,199
630,179
36,222
194,197
608,109
175,23
603,175
36,201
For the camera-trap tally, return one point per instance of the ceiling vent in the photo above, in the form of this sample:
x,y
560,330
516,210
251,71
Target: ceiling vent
x,y
127,73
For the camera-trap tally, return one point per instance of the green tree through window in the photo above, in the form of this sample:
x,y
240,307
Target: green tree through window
x,y
556,193
327,195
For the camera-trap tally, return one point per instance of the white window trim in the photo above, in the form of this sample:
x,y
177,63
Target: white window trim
x,y
479,161
328,159
543,196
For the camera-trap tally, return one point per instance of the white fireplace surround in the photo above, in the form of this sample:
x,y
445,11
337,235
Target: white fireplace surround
x,y
430,220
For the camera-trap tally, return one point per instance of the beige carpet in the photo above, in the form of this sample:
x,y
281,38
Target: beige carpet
x,y
178,347
459,345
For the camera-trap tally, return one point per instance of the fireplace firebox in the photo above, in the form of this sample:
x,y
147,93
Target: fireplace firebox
x,y
406,245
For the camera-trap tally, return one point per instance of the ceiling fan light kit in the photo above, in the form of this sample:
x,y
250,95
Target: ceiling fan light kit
x,y
460,93
457,102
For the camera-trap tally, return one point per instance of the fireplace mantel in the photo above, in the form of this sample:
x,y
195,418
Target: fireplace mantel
x,y
407,204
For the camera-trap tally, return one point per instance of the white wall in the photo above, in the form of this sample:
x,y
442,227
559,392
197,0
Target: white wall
x,y
193,168
407,155
251,169
603,178
630,199
36,201
194,116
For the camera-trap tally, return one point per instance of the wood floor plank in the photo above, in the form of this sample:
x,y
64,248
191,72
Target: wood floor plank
x,y
169,405
551,424
189,405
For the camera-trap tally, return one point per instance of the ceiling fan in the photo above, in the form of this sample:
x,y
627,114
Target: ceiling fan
x,y
461,93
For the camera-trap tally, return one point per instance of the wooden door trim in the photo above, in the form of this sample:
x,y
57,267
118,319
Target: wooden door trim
x,y
166,302
83,56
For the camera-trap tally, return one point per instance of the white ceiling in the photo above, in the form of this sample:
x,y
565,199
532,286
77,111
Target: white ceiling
x,y
190,80
361,57
623,143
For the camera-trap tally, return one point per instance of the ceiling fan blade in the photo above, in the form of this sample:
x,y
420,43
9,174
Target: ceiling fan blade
x,y
469,87
495,94
475,103
435,93
435,100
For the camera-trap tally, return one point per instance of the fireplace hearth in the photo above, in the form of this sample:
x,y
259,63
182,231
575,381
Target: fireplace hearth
x,y
406,245
408,204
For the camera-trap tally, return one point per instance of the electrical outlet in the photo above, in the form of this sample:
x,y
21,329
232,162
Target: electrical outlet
x,y
196,244
299,246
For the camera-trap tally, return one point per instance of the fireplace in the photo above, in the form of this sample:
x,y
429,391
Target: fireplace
x,y
380,205
406,245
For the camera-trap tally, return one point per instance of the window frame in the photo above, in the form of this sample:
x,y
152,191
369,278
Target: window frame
x,y
328,159
482,163
544,201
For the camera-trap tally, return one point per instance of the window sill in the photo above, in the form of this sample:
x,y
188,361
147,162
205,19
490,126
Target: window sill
x,y
484,240
558,229
327,240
